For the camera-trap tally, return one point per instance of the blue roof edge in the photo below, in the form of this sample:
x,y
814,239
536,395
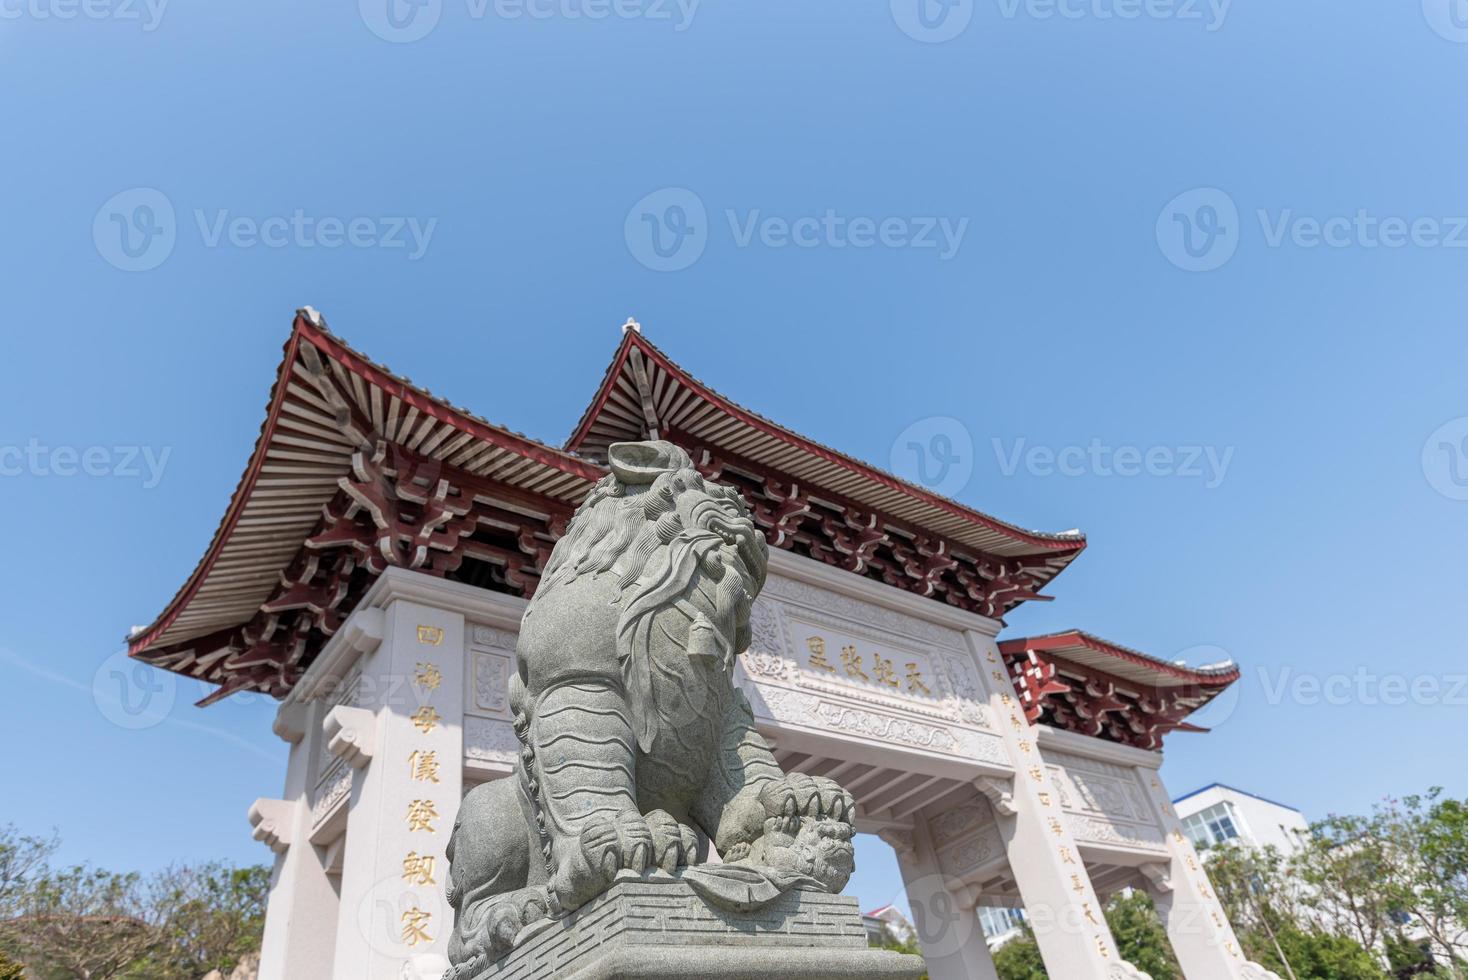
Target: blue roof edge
x,y
1235,789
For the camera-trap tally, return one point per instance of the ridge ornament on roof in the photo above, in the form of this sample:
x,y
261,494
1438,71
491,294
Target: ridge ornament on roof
x,y
1077,681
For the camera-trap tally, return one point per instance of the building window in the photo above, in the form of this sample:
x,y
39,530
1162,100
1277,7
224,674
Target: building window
x,y
1212,826
998,922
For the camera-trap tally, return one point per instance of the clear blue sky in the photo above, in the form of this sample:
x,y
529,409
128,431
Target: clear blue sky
x,y
1064,308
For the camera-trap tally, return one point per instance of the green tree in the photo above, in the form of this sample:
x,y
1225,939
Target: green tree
x,y
1140,936
210,917
21,859
1427,877
82,923
1316,955
1258,899
1343,864
1019,959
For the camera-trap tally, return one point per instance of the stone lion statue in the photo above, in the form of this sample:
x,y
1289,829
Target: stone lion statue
x,y
637,749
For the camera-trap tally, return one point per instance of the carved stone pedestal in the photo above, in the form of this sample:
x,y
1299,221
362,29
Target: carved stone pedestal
x,y
657,927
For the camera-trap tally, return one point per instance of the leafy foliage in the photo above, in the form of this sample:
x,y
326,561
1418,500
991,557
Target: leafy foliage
x,y
1019,959
85,923
1140,936
1314,955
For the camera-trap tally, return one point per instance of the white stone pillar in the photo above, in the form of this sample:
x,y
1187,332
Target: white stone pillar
x,y
1059,900
944,911
1201,936
405,735
300,921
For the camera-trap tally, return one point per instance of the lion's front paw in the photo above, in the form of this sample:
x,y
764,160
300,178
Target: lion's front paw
x,y
799,795
606,845
673,844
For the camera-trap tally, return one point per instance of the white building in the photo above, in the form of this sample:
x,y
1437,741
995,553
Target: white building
x,y
1218,814
887,923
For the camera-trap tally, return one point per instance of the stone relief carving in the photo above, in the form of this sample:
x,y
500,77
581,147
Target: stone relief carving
x,y
885,728
799,708
766,634
490,741
971,853
1105,793
1102,831
491,681
950,825
494,639
333,788
1125,971
767,655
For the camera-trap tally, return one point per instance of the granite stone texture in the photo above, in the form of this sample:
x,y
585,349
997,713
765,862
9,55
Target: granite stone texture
x,y
637,751
656,926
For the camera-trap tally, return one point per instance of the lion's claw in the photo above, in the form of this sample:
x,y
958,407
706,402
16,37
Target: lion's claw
x,y
796,794
673,844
